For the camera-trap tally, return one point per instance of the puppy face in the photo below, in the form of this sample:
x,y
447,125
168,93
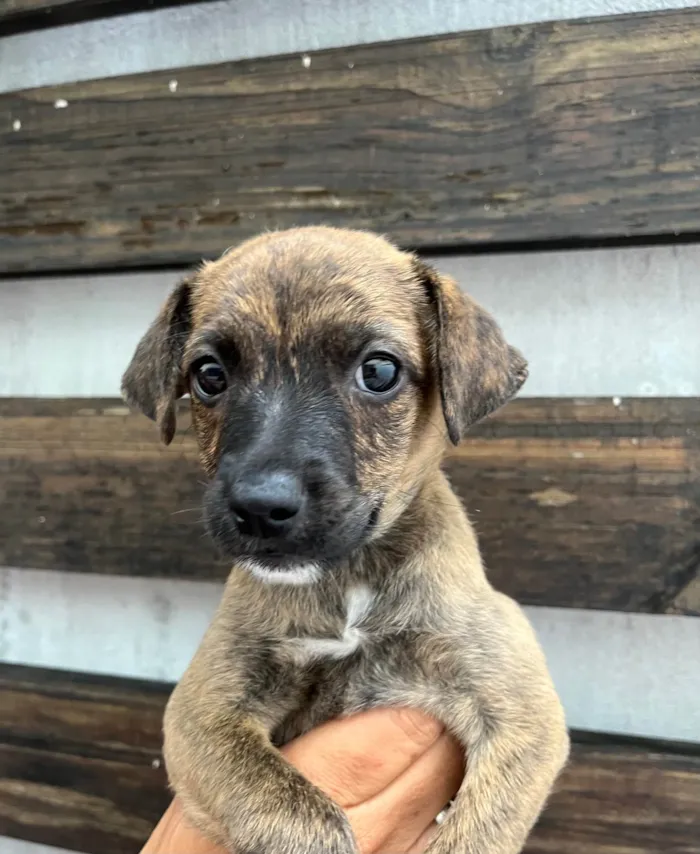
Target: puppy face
x,y
325,369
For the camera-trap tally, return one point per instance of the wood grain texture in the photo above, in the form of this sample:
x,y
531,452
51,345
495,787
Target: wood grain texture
x,y
12,8
18,16
575,130
77,757
588,504
577,503
80,759
623,796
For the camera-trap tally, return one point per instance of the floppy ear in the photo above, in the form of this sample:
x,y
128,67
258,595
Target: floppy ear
x,y
153,382
477,369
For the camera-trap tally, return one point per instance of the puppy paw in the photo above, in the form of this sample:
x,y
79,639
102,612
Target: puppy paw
x,y
329,835
311,826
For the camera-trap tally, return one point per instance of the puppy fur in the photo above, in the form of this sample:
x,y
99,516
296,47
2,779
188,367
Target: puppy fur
x,y
380,598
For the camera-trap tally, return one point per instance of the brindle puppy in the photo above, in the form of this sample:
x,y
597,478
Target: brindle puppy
x,y
327,371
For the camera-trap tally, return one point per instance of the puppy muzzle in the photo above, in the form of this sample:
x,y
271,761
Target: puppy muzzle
x,y
280,517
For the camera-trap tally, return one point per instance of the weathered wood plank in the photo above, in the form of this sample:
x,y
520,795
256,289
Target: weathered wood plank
x,y
80,768
17,16
577,503
12,8
575,130
621,796
594,511
80,759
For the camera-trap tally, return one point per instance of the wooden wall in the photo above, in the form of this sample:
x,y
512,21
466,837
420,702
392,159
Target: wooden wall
x,y
596,503
517,149
21,16
548,164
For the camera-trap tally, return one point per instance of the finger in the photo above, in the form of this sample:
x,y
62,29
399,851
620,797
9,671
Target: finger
x,y
355,758
397,817
173,835
424,840
420,845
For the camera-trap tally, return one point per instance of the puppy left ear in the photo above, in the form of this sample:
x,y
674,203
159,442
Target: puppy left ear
x,y
477,369
153,381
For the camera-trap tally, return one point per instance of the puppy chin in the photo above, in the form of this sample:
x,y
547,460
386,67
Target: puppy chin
x,y
295,575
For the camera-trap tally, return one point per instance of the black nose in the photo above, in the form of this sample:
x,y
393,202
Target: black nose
x,y
266,504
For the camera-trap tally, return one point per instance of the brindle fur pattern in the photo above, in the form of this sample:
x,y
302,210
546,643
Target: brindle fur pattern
x,y
285,312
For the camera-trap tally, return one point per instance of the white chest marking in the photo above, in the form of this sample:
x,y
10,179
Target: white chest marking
x,y
359,602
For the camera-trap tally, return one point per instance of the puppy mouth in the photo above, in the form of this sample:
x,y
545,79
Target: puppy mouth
x,y
290,573
274,560
277,561
281,557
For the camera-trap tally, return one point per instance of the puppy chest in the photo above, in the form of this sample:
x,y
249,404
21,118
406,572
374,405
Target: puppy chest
x,y
347,637
357,663
327,686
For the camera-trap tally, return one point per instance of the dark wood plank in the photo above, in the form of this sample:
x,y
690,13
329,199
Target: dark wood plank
x,y
80,768
589,504
623,796
555,131
576,503
18,16
80,759
17,8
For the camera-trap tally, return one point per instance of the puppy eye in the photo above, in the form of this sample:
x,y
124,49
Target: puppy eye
x,y
208,379
378,374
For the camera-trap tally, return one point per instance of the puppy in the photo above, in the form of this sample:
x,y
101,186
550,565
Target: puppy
x,y
328,372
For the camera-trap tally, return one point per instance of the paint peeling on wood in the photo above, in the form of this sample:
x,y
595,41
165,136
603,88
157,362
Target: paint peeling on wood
x,y
553,497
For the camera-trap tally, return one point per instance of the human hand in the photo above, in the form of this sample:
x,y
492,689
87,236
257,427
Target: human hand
x,y
391,770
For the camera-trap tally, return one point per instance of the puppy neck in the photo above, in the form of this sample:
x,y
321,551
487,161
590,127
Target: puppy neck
x,y
433,523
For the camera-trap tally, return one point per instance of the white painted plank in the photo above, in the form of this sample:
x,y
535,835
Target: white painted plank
x,y
122,626
21,846
222,31
68,337
608,322
596,322
631,674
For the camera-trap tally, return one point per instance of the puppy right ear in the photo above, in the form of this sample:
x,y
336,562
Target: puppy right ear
x,y
153,381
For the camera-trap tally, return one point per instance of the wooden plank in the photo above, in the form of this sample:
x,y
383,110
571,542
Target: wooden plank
x,y
588,503
583,504
80,759
553,131
80,768
17,8
18,16
623,796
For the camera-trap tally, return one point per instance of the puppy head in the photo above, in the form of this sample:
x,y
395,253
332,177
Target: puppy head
x,y
326,369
